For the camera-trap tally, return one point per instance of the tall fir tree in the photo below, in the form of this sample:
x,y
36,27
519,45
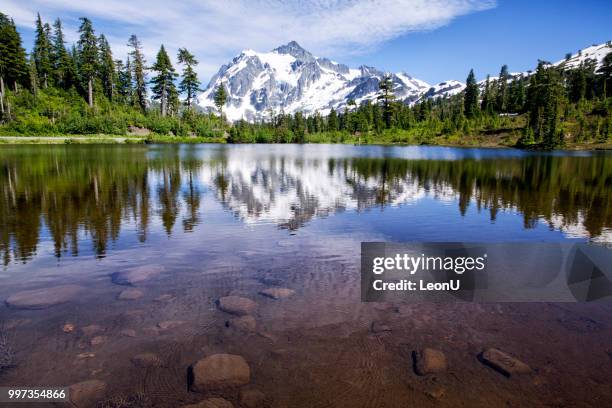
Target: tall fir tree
x,y
486,104
42,52
332,121
220,98
386,98
606,71
501,104
163,80
13,65
63,75
88,63
189,84
124,81
139,79
470,100
107,68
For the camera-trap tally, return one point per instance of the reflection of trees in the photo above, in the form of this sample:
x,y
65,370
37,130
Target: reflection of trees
x,y
540,187
68,191
87,189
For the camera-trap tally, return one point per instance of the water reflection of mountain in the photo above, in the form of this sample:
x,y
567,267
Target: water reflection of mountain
x,y
67,192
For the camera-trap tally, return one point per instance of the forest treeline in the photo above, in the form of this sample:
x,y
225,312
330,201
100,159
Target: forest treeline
x,y
83,89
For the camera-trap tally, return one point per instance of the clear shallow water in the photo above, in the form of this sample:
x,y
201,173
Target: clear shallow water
x,y
226,220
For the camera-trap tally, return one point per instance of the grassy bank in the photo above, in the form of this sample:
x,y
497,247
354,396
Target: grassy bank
x,y
501,140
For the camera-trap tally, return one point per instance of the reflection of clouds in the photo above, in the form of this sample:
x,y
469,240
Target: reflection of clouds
x,y
577,229
289,191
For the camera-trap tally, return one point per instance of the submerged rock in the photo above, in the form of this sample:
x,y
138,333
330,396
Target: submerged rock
x,y
220,371
251,398
504,363
137,274
68,328
243,323
378,327
96,341
86,393
429,361
145,360
211,403
164,298
43,298
128,332
277,293
170,324
130,294
237,305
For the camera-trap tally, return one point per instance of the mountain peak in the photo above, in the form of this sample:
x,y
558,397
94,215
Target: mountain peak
x,y
295,50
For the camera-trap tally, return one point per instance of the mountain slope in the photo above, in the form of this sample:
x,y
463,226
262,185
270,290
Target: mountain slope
x,y
290,79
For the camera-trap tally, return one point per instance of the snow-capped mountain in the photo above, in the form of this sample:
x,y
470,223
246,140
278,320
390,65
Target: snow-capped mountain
x,y
291,79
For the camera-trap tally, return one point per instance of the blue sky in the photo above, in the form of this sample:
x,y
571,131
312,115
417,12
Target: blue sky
x,y
433,40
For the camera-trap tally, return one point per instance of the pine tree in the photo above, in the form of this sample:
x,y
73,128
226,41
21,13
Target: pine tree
x,y
124,81
42,52
470,100
220,98
189,84
107,68
502,90
138,72
163,81
13,65
486,104
606,71
386,97
63,75
87,49
332,121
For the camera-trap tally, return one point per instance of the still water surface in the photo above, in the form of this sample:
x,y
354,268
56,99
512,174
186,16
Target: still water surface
x,y
230,220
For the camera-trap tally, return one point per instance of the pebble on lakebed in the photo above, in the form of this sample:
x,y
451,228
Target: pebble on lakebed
x,y
429,361
504,363
86,393
136,274
211,403
219,371
43,298
145,360
130,294
277,293
237,305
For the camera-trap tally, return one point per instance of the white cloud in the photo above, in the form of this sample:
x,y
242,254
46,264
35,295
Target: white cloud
x,y
217,30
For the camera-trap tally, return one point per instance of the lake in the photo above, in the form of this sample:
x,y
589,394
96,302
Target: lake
x,y
195,223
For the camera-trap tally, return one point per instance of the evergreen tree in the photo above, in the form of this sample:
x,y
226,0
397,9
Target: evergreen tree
x,y
386,97
124,81
63,74
220,98
189,84
470,100
332,121
13,65
501,103
42,52
108,75
486,104
606,72
87,49
163,81
138,72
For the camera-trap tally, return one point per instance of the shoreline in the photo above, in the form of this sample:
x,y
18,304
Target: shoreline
x,y
161,139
